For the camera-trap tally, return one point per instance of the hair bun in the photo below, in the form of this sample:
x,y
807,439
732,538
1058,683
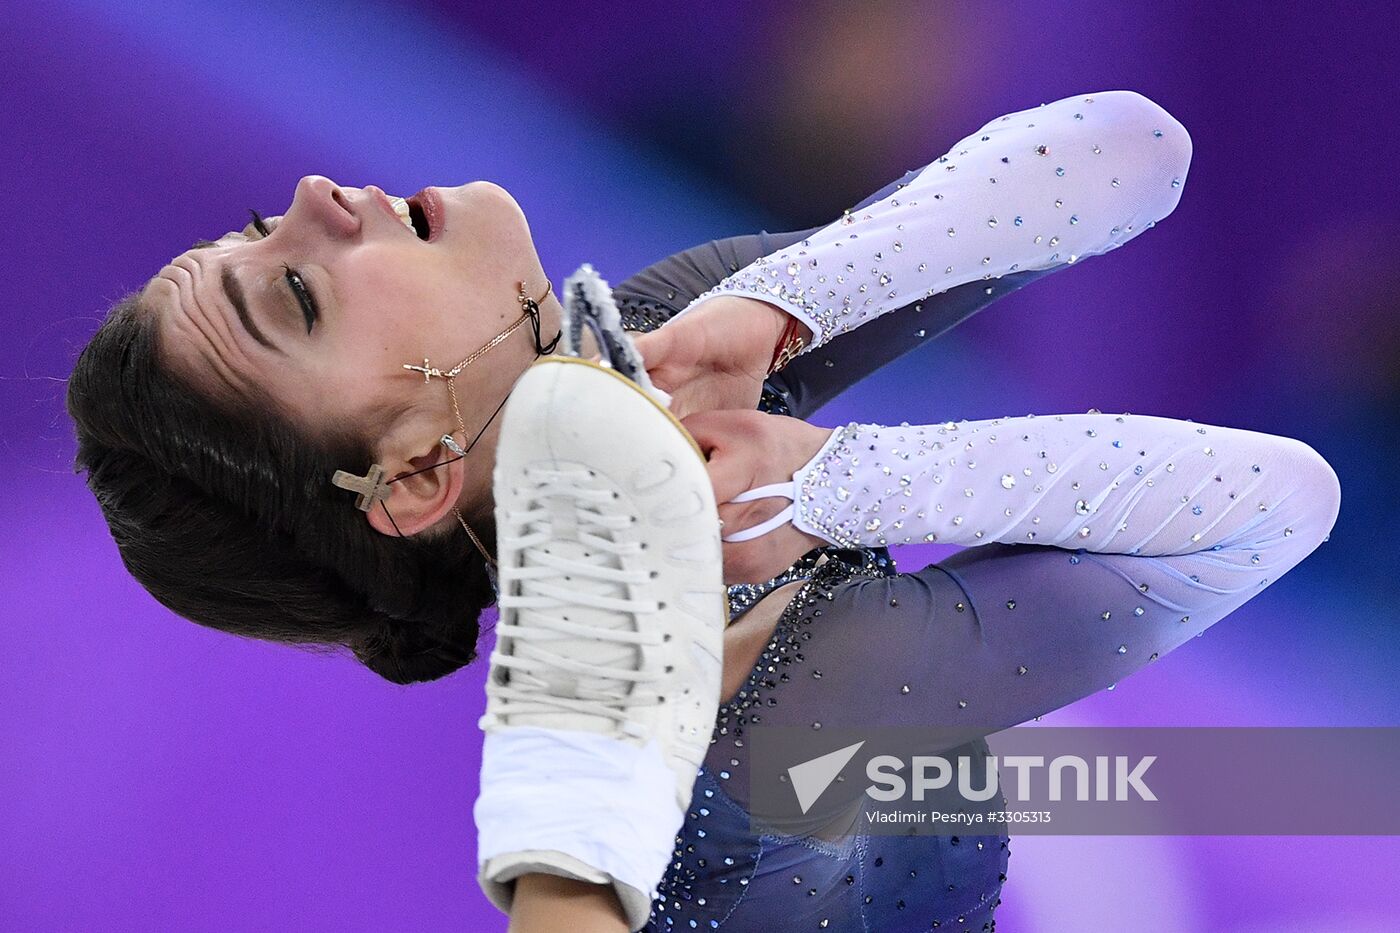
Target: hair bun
x,y
404,654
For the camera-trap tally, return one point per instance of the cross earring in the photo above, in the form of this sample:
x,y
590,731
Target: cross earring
x,y
371,487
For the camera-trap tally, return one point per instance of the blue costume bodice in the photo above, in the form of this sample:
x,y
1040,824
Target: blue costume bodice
x,y
724,875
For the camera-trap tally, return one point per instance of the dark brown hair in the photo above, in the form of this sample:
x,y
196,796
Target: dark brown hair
x,y
226,514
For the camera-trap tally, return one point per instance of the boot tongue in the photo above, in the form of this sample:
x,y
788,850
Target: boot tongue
x,y
563,519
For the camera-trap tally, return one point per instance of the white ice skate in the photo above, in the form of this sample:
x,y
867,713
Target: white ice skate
x,y
612,609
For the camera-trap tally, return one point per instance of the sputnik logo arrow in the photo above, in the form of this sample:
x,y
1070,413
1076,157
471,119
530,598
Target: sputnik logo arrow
x,y
811,778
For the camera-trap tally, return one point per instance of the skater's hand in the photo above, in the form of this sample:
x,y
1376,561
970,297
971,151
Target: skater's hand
x,y
744,449
716,356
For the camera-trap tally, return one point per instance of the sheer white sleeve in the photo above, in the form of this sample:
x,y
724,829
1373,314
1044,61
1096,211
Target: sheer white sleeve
x,y
1255,503
1029,191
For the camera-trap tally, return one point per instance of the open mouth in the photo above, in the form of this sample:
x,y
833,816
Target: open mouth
x,y
418,220
425,214
421,213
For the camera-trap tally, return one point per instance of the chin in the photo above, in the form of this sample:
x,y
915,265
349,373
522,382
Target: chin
x,y
482,194
485,208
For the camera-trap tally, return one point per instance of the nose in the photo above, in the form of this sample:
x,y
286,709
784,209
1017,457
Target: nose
x,y
320,204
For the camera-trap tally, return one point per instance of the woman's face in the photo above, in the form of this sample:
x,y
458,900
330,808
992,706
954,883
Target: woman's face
x,y
322,314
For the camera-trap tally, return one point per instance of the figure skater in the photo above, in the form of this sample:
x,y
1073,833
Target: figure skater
x,y
232,414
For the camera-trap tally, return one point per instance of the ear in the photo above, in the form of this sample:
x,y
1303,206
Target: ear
x,y
422,496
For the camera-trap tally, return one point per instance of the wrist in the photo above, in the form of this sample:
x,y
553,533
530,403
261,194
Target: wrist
x,y
818,494
788,345
769,319
776,318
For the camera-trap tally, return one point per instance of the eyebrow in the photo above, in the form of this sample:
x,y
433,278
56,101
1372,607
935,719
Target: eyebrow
x,y
233,291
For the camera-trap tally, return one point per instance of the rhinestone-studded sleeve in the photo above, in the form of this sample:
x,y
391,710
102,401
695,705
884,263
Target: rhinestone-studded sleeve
x,y
1029,191
1127,484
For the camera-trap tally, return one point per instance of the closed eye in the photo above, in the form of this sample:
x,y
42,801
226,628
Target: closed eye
x,y
257,225
303,295
260,227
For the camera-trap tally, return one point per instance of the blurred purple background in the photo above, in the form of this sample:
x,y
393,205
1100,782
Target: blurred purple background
x,y
158,776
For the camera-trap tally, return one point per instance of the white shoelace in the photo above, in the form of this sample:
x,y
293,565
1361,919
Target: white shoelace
x,y
544,590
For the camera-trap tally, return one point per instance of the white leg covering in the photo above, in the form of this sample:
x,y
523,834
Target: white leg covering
x,y
578,805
